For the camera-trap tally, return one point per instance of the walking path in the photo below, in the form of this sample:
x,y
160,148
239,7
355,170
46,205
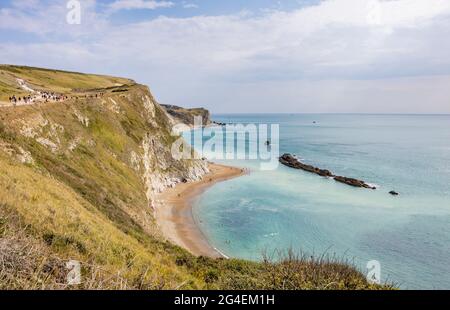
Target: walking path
x,y
33,98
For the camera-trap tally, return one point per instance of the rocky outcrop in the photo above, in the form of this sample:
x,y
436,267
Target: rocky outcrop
x,y
161,171
290,161
353,182
218,123
186,116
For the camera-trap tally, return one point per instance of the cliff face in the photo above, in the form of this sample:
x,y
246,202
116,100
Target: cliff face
x,y
127,126
186,116
104,115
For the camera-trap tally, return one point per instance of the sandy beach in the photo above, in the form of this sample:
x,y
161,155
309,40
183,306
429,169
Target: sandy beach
x,y
174,211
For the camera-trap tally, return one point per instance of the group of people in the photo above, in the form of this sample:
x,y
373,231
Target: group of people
x,y
44,96
47,96
15,99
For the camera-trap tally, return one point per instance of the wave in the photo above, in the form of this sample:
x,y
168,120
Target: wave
x,y
374,185
271,235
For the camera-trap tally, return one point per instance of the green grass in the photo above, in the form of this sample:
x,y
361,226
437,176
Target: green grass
x,y
53,80
69,228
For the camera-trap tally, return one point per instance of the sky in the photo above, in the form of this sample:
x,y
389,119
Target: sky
x,y
248,56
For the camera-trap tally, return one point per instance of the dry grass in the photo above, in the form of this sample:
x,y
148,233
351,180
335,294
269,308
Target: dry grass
x,y
73,229
30,264
287,270
284,270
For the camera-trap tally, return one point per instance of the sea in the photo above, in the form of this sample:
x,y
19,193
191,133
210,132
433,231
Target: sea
x,y
268,212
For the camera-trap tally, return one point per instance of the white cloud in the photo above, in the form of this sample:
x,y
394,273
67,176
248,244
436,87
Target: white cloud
x,y
304,60
190,6
49,21
139,4
26,4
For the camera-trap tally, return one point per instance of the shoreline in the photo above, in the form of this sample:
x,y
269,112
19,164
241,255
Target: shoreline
x,y
174,211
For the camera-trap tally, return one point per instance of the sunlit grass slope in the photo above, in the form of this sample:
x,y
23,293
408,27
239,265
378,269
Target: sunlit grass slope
x,y
52,80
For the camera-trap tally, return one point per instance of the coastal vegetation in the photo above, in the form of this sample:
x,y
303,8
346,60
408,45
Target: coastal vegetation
x,y
77,182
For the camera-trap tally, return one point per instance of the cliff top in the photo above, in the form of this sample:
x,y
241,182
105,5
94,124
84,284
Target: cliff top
x,y
50,80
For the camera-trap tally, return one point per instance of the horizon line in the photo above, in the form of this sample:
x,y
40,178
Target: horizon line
x,y
329,113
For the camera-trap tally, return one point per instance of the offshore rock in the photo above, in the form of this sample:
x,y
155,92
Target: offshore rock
x,y
290,161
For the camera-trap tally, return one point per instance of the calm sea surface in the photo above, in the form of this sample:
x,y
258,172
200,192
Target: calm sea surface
x,y
285,208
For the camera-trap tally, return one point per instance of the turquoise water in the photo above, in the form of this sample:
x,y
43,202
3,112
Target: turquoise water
x,y
409,235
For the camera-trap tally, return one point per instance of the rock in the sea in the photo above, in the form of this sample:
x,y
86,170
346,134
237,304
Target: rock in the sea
x,y
290,161
353,182
393,193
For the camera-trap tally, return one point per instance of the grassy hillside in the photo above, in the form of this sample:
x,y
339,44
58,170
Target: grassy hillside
x,y
52,80
77,180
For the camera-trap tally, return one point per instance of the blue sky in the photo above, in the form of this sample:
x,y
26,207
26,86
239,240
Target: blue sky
x,y
174,8
211,7
370,56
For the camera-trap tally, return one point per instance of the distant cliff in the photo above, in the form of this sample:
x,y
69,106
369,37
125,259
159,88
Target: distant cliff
x,y
186,116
